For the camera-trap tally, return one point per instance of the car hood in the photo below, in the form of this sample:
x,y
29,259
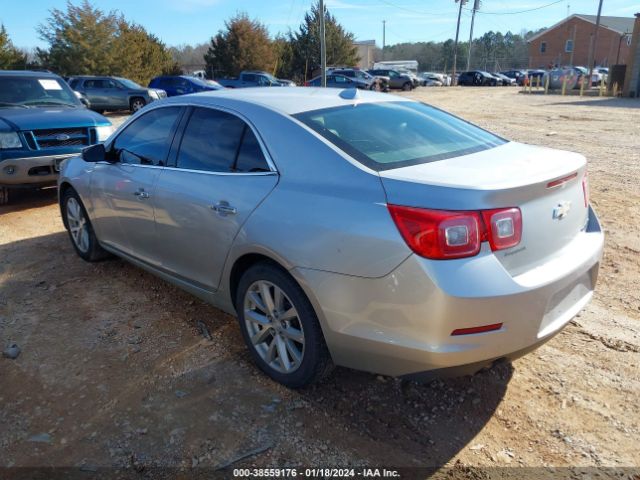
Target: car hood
x,y
49,117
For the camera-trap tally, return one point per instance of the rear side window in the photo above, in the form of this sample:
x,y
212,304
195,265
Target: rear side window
x,y
216,141
250,156
390,135
211,141
147,139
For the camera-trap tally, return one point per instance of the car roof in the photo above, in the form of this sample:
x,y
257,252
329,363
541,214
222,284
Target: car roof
x,y
27,73
288,100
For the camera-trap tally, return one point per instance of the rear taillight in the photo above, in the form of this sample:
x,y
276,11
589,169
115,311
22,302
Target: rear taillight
x,y
585,189
444,234
438,234
504,227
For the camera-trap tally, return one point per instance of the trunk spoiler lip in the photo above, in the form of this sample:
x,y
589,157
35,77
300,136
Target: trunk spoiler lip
x,y
562,180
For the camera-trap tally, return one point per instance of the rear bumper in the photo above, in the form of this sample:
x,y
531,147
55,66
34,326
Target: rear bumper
x,y
31,171
401,324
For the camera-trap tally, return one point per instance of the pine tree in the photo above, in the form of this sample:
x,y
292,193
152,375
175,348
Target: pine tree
x,y
10,56
244,44
306,44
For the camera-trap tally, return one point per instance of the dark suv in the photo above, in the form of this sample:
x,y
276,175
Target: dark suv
x,y
115,93
42,122
477,78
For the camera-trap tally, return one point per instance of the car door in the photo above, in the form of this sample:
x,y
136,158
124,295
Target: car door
x,y
93,90
118,95
219,176
123,189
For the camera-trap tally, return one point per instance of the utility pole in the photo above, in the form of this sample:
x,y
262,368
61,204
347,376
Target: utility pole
x,y
323,48
455,45
594,43
476,6
384,33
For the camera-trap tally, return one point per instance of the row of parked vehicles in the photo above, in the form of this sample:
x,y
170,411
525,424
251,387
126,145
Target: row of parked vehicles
x,y
574,75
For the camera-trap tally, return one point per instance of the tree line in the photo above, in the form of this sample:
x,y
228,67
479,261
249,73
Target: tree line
x,y
82,39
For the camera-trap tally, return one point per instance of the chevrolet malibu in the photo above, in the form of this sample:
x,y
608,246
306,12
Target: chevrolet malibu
x,y
344,227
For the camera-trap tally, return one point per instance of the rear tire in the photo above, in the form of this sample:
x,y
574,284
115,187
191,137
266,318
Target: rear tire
x,y
4,195
406,86
136,104
80,230
280,327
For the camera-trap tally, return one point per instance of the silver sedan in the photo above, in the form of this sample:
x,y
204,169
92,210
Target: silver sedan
x,y
344,227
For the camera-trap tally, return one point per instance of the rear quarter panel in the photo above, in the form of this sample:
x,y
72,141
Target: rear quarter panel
x,y
325,213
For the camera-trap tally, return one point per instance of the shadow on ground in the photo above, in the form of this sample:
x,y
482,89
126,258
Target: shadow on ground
x,y
26,198
114,373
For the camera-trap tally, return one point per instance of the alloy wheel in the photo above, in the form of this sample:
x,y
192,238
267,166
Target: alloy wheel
x,y
137,105
274,326
77,225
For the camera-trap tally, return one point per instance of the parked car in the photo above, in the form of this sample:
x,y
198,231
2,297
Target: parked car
x,y
536,76
404,241
42,122
430,79
518,75
181,85
335,80
114,93
503,79
396,79
374,83
417,82
477,78
252,78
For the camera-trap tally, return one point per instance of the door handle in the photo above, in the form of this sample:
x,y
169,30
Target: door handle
x,y
140,193
224,209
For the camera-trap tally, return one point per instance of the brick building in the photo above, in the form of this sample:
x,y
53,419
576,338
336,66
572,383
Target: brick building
x,y
632,78
569,41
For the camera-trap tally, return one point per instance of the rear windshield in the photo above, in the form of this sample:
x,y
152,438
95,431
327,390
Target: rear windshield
x,y
390,135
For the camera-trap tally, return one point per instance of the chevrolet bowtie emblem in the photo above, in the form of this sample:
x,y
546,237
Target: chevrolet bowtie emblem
x,y
561,210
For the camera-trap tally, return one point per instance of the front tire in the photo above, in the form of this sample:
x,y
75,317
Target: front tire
x,y
280,327
406,86
80,230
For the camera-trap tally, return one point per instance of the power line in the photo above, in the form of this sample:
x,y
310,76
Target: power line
x,y
422,12
411,10
519,12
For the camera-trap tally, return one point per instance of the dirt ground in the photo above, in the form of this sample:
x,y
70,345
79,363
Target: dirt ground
x,y
114,370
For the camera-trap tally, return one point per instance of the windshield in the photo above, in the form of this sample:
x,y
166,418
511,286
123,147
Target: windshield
x,y
34,91
398,134
271,78
128,83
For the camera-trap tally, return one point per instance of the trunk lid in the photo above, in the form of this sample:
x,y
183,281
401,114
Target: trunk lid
x,y
511,175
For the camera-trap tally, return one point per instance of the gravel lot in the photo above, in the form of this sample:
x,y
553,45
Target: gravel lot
x,y
114,370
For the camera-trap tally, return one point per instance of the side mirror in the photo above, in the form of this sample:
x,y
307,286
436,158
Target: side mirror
x,y
94,153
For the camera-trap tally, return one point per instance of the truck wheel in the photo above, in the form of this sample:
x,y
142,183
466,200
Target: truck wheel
x,y
407,86
136,104
4,195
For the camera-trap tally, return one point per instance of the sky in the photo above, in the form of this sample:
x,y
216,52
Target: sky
x,y
178,22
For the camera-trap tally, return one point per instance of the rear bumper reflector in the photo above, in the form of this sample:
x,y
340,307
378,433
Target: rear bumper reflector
x,y
481,329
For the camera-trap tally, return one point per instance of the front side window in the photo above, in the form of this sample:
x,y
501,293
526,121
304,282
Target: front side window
x,y
390,135
216,141
146,140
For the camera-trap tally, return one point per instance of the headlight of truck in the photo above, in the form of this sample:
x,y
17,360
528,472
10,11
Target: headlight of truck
x,y
9,140
103,132
153,94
